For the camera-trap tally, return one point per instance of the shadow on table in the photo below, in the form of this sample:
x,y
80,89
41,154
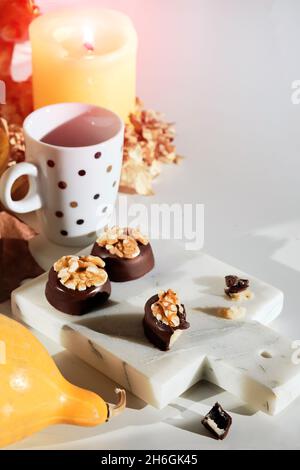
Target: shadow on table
x,y
127,326
81,374
92,379
212,285
189,419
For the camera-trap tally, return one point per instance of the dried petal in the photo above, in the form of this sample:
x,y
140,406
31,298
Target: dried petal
x,y
148,143
16,260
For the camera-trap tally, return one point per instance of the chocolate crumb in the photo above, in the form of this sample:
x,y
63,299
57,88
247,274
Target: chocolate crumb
x,y
217,422
235,285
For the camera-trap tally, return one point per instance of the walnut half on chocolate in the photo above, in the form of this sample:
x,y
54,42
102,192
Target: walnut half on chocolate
x,y
80,272
164,319
122,242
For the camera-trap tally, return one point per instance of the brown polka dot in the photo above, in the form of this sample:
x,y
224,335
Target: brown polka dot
x,y
109,168
114,184
64,233
59,214
96,196
82,172
79,221
62,185
50,163
104,209
73,204
97,155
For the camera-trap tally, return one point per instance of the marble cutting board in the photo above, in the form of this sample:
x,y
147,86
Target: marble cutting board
x,y
246,358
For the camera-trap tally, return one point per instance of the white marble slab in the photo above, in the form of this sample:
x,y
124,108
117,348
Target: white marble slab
x,y
224,352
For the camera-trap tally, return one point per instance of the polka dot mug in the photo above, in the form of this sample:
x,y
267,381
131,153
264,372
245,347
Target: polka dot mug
x,y
73,160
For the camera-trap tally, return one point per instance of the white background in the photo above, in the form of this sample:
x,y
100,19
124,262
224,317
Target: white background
x,y
222,69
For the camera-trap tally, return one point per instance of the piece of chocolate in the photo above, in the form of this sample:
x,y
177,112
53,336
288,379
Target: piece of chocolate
x,y
235,285
164,324
217,421
127,254
77,285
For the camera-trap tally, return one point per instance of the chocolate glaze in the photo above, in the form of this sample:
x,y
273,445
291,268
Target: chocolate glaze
x,y
124,269
75,302
156,331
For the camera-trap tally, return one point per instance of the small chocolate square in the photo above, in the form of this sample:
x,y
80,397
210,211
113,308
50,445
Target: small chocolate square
x,y
217,421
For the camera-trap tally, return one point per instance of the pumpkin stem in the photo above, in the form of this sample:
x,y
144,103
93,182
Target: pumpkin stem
x,y
114,410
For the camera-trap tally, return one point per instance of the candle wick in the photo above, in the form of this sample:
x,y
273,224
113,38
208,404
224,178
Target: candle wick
x,y
88,46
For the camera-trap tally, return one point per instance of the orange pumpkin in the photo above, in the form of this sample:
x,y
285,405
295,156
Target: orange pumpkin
x,y
34,394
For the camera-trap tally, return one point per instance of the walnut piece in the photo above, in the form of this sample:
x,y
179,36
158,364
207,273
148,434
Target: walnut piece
x,y
244,295
122,242
232,313
137,235
81,272
167,307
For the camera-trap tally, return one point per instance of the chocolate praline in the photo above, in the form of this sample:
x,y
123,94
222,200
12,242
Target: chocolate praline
x,y
126,269
158,333
75,302
217,421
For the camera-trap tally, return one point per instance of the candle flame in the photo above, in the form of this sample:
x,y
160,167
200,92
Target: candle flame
x,y
88,38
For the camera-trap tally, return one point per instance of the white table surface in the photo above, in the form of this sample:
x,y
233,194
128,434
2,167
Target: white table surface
x,y
223,71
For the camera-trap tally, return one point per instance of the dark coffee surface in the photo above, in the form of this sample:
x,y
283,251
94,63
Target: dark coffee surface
x,y
81,131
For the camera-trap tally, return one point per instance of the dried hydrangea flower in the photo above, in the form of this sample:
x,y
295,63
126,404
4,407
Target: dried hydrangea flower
x,y
149,142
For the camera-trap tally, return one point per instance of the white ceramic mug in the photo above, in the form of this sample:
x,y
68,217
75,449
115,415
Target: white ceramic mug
x,y
73,179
